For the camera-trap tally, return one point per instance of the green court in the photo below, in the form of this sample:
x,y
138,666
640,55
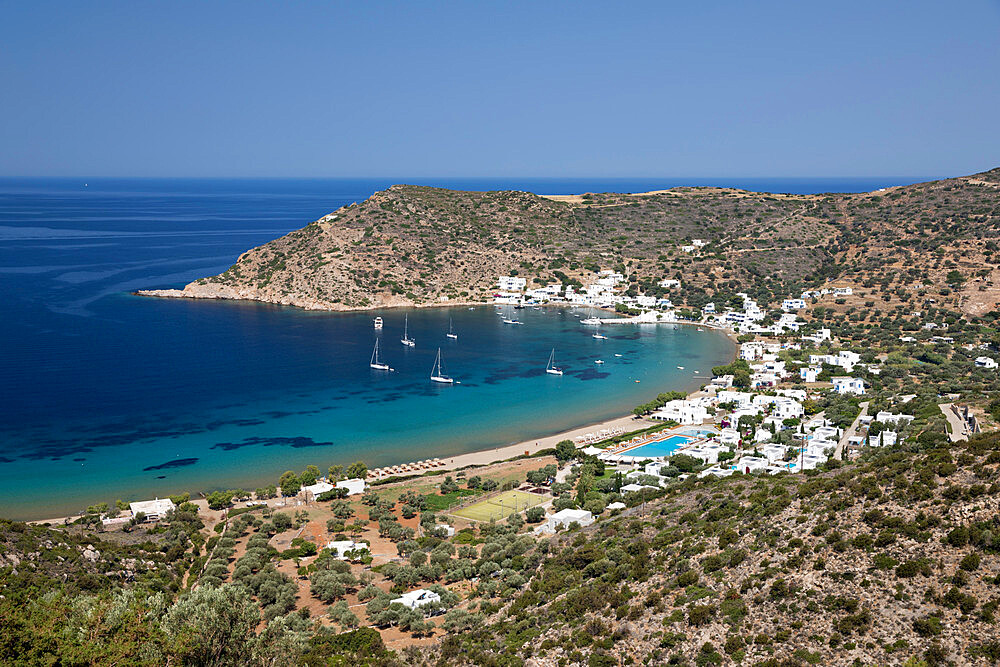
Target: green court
x,y
500,506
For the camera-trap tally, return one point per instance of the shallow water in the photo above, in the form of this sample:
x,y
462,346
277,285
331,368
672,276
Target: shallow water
x,y
106,395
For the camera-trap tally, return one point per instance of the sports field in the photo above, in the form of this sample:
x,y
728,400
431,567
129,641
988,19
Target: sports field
x,y
500,507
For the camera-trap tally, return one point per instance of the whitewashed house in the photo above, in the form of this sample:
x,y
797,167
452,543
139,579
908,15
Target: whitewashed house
x,y
729,437
511,283
986,362
887,417
810,373
793,304
353,486
417,598
682,411
848,385
774,451
563,518
339,548
154,510
751,464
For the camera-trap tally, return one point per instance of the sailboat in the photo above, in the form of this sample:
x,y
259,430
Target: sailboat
x,y
377,363
591,319
406,340
550,368
598,335
451,331
437,375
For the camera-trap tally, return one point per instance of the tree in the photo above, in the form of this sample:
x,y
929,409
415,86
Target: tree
x,y
282,522
309,476
490,485
448,485
289,483
213,626
357,470
535,514
335,473
565,450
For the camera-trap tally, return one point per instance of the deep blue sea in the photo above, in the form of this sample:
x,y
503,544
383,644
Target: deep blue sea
x,y
105,395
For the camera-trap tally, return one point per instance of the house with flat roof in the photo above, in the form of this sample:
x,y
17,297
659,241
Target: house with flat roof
x,y
353,486
848,385
339,548
154,510
563,519
417,598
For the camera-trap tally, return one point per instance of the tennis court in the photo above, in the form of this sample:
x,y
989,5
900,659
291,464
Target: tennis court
x,y
500,507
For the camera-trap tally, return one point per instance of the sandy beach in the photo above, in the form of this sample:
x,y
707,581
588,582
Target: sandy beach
x,y
488,456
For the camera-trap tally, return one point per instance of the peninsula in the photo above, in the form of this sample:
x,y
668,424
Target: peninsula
x,y
421,246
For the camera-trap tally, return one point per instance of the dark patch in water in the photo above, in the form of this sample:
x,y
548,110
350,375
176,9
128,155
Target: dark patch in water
x,y
295,443
176,463
79,459
161,477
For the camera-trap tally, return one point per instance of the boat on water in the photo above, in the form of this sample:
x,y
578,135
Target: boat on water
x,y
551,368
508,320
437,375
596,321
598,361
376,362
451,331
617,355
598,335
378,322
406,340
680,368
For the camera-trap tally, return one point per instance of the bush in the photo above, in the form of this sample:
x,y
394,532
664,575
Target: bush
x,y
535,514
970,563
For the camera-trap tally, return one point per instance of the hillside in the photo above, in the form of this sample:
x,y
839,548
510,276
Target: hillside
x,y
889,559
413,245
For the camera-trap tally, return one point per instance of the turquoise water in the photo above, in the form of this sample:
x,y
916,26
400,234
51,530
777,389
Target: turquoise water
x,y
664,447
107,395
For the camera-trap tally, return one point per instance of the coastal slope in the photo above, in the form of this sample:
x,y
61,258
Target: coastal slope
x,y
417,246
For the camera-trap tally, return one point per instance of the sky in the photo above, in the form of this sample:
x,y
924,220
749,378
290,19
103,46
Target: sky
x,y
525,89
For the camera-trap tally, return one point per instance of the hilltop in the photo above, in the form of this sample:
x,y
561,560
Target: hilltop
x,y
417,246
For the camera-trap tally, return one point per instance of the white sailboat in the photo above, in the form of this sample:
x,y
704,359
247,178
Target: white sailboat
x,y
590,319
406,340
436,373
377,363
451,331
550,368
598,335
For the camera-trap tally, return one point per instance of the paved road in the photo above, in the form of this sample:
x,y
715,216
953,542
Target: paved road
x,y
959,431
849,433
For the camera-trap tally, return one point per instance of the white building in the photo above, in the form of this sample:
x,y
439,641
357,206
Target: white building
x,y
774,452
708,308
742,399
848,385
339,548
682,411
353,486
314,490
752,464
153,509
417,598
669,283
449,531
887,417
511,283
563,518
986,362
729,437
793,304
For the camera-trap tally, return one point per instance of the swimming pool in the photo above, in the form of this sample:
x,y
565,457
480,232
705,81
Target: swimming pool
x,y
664,447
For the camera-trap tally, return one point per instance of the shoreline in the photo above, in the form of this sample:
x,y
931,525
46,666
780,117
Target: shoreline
x,y
491,456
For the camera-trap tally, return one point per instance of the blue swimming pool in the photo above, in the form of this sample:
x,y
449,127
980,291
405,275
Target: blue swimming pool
x,y
664,447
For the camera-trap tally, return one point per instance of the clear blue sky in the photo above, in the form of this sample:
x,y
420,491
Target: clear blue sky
x,y
499,89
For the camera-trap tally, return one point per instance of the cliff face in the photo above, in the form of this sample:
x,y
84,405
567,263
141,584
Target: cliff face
x,y
412,245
